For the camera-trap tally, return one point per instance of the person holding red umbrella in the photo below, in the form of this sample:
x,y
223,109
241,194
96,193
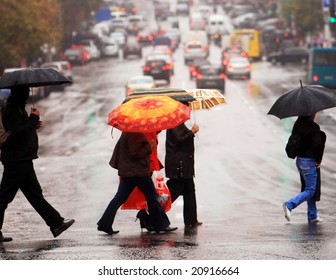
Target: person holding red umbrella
x,y
131,157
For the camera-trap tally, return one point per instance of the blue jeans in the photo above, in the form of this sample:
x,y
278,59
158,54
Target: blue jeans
x,y
308,170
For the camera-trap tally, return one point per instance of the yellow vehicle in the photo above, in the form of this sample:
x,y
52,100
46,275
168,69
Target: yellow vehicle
x,y
249,40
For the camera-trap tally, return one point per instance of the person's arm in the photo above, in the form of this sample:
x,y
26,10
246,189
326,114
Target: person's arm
x,y
181,133
318,139
14,121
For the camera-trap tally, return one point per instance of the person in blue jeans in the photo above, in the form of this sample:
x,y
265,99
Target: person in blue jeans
x,y
308,163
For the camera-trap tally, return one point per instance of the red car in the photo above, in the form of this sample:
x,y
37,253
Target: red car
x,y
77,55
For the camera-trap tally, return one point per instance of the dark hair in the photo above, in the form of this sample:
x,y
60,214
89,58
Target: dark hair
x,y
20,94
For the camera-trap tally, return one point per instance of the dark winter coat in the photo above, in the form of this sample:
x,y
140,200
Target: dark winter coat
x,y
23,141
312,138
131,155
179,159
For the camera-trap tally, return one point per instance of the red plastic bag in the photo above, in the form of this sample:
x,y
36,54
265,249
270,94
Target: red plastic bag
x,y
137,200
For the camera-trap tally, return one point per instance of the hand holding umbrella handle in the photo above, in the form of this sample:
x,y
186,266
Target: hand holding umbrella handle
x,y
195,128
34,111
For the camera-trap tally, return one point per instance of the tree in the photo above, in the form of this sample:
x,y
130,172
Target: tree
x,y
307,14
75,13
25,27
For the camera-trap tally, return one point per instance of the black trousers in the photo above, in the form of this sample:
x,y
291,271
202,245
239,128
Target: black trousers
x,y
186,188
158,217
21,175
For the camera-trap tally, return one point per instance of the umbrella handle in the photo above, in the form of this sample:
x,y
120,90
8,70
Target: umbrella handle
x,y
112,132
33,103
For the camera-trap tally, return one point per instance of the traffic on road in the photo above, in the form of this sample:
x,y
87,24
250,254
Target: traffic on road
x,y
243,175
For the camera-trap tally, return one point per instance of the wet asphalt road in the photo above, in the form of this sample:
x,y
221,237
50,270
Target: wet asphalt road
x,y
242,176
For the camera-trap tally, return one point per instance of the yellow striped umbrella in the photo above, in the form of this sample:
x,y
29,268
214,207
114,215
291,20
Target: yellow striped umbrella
x,y
148,114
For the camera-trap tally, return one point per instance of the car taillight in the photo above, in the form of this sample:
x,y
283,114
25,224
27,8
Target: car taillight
x,y
248,67
136,28
222,76
204,49
229,66
199,76
137,38
150,38
146,68
165,67
244,54
315,78
225,61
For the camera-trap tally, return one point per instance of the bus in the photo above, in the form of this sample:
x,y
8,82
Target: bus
x,y
322,67
253,39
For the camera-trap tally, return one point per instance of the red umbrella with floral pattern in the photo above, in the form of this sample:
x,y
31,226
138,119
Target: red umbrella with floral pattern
x,y
149,113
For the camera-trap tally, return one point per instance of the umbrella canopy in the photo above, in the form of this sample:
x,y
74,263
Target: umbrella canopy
x,y
33,77
303,101
175,93
206,98
149,113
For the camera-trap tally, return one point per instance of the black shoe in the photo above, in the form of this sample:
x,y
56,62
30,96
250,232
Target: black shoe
x,y
108,231
5,239
167,229
64,226
143,216
194,224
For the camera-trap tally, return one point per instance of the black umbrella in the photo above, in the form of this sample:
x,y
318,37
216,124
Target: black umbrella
x,y
33,77
177,94
303,101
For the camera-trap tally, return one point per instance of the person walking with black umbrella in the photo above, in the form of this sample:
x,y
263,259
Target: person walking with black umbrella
x,y
17,156
308,161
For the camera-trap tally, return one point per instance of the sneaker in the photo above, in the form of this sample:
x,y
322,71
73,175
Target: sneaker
x,y
287,212
317,220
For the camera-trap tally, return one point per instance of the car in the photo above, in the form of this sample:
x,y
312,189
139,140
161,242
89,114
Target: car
x,y
119,37
195,64
110,47
62,66
139,82
92,48
132,48
4,94
238,66
182,9
197,22
229,52
144,37
77,55
174,21
194,49
161,49
210,76
158,69
169,60
204,10
118,23
135,23
291,54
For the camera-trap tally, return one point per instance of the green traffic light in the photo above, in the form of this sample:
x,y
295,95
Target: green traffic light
x,y
332,19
